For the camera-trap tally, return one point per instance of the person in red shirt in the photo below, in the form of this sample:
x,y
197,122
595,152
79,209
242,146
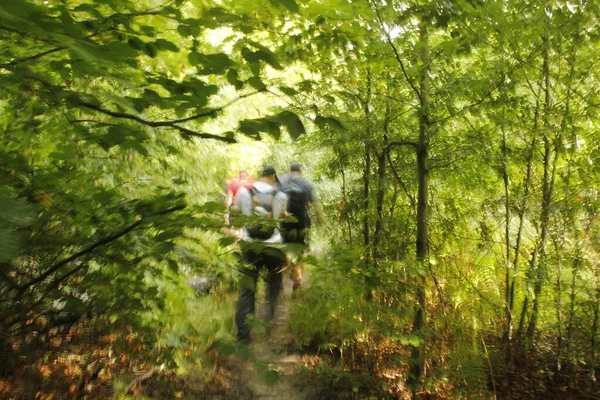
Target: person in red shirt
x,y
234,184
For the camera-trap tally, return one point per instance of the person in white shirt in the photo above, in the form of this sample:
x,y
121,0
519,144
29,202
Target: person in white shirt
x,y
259,248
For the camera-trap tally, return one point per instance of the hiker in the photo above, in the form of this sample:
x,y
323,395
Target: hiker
x,y
301,196
233,185
258,246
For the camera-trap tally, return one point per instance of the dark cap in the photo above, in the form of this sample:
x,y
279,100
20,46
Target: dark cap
x,y
268,171
295,167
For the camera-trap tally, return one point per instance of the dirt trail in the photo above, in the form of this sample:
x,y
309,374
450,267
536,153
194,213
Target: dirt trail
x,y
273,347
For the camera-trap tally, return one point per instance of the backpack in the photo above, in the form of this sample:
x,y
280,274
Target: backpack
x,y
262,206
295,232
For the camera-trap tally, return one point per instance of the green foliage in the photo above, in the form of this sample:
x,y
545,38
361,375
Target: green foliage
x,y
326,319
102,169
108,188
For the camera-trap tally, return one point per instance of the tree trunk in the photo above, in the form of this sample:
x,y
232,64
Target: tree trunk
x,y
422,248
559,238
381,170
343,212
594,341
367,175
508,279
539,268
522,211
572,295
559,307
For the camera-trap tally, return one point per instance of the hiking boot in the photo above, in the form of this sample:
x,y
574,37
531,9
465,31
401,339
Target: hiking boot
x,y
244,340
295,288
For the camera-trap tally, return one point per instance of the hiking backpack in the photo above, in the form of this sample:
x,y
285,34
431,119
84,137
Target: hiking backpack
x,y
262,206
295,232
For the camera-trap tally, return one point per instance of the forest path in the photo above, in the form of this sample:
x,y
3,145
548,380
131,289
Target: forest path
x,y
274,347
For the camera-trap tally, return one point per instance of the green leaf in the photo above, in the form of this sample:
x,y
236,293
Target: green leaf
x,y
184,30
173,266
323,122
136,42
136,145
292,123
266,374
232,78
194,25
79,98
249,55
150,50
163,248
216,64
288,90
257,84
122,52
115,136
148,30
307,85
65,73
270,377
270,59
170,11
219,14
289,4
162,44
9,244
252,127
227,241
212,207
164,236
213,63
226,348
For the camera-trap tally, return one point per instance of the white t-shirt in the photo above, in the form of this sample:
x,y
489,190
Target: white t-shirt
x,y
243,203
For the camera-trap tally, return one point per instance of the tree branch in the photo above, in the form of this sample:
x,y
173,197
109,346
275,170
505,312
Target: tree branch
x,y
7,278
401,143
497,86
412,199
30,58
141,378
91,248
396,53
60,48
169,124
209,113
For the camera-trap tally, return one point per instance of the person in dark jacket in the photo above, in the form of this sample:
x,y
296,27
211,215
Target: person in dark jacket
x,y
301,196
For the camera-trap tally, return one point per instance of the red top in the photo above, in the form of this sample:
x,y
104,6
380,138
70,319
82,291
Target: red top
x,y
235,185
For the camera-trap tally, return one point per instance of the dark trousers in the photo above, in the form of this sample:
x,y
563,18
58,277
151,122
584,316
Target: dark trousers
x,y
270,259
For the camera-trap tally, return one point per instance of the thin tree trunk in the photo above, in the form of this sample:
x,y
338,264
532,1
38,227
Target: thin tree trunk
x,y
559,316
572,293
538,267
422,248
381,170
560,239
345,199
594,340
548,183
522,211
367,175
508,273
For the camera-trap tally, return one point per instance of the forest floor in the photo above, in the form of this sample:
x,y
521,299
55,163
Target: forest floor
x,y
269,368
273,348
